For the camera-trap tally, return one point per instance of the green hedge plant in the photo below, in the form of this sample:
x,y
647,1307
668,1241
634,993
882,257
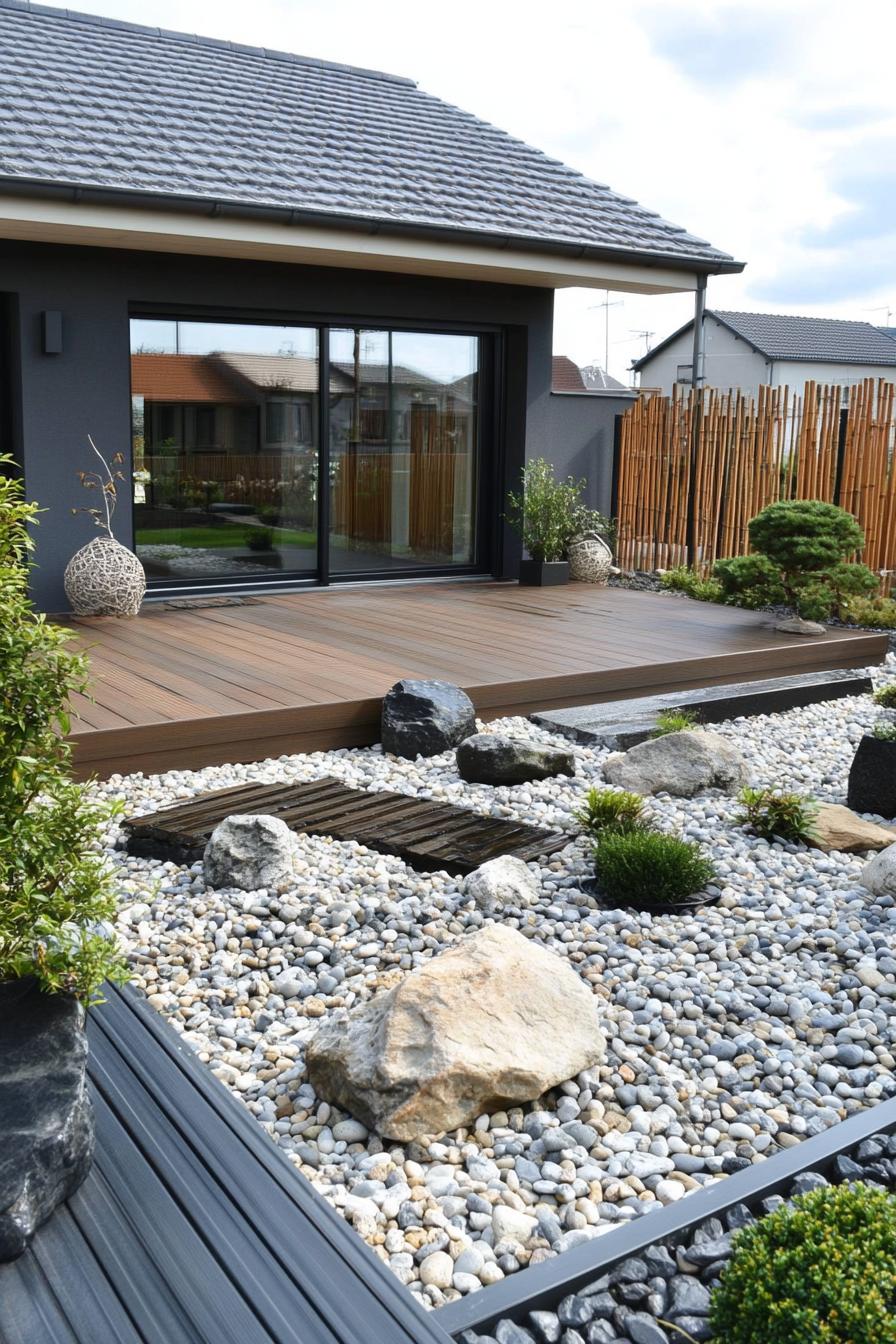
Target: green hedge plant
x,y
776,815
55,890
611,810
821,1270
681,579
646,867
550,514
800,549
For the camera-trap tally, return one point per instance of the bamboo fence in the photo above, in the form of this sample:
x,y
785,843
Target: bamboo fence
x,y
695,467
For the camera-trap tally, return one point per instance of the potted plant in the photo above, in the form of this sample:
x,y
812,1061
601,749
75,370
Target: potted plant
x,y
104,578
872,775
55,898
799,550
549,516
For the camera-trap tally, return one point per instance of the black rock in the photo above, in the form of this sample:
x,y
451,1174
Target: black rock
x,y
632,1270
732,1163
660,1263
546,1326
692,1327
806,1181
872,1149
705,1253
643,1329
738,1216
46,1120
847,1170
486,758
508,1332
600,1332
572,1337
632,1294
872,778
576,1310
687,1297
424,718
603,1305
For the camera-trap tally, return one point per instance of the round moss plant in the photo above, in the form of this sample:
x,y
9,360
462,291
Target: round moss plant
x,y
647,868
821,1270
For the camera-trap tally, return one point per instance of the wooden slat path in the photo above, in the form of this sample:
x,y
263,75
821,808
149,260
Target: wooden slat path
x,y
307,670
192,1227
426,835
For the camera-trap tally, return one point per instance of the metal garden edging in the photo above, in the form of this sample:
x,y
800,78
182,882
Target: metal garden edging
x,y
517,1295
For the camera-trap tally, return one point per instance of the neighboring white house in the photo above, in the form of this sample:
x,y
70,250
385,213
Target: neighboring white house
x,y
745,350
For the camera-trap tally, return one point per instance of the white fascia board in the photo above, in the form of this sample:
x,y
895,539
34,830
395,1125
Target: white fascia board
x,y
38,220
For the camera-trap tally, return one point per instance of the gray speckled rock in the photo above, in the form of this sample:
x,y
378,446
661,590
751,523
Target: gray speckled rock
x,y
879,874
424,718
682,764
46,1121
494,1019
487,758
502,881
249,852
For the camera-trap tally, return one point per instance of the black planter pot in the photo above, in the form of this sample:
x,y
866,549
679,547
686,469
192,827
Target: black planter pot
x,y
872,777
11,991
649,907
544,573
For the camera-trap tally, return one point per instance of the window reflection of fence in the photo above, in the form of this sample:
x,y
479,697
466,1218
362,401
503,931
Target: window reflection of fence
x,y
823,443
376,493
281,482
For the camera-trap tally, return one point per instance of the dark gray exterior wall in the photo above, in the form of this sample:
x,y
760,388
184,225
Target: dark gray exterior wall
x,y
575,431
56,400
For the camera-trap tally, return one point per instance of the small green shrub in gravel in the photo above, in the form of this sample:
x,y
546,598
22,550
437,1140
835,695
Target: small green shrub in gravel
x,y
611,810
642,867
879,613
886,695
674,721
821,1270
681,579
884,732
772,815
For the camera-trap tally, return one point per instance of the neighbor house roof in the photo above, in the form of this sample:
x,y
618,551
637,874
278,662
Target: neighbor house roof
x,y
118,111
824,340
565,375
188,378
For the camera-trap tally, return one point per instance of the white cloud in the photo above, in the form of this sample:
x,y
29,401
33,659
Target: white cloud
x,y
732,118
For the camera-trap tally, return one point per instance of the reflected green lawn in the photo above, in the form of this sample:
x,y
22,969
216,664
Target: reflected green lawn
x,y
219,538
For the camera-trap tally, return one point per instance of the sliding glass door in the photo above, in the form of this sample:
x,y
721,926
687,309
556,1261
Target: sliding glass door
x,y
403,450
227,419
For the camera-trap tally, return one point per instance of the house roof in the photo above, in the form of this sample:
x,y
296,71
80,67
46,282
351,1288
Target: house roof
x,y
825,340
115,110
565,375
189,378
597,379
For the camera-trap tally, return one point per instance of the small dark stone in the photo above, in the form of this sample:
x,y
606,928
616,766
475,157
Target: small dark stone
x,y
660,1263
600,1332
632,1294
872,778
771,1203
424,718
869,1150
732,1163
738,1216
632,1270
692,1327
687,1297
46,1120
546,1326
508,1332
486,758
806,1181
643,1329
575,1310
705,1253
847,1170
572,1337
603,1305
709,1230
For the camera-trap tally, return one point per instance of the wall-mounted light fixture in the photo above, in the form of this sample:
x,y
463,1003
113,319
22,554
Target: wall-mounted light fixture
x,y
51,332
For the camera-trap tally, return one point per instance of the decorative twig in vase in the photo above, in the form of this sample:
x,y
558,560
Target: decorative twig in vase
x,y
104,578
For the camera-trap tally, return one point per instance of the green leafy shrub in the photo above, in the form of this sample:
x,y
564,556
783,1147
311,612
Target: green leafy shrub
x,y
884,732
772,814
54,887
821,1270
800,548
674,721
610,810
645,867
886,695
681,579
258,538
550,514
877,612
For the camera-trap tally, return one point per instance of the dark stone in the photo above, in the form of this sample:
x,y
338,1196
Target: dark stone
x,y
705,1253
572,1337
660,1263
424,718
508,1332
872,778
546,1326
46,1120
576,1310
632,1294
643,1329
687,1297
806,1181
603,1305
872,1149
692,1327
632,1270
600,1332
847,1170
738,1216
486,758
732,1163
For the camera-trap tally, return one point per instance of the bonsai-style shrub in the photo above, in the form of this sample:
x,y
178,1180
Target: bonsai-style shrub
x,y
673,721
821,1270
681,579
55,890
879,613
800,548
771,814
643,867
606,810
550,514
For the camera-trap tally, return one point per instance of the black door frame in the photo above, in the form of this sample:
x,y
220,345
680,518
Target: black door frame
x,y
488,447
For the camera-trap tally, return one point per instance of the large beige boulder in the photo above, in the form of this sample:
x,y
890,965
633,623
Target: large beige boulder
x,y
682,764
493,1021
839,828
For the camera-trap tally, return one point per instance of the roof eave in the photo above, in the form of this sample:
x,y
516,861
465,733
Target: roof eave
x,y
216,207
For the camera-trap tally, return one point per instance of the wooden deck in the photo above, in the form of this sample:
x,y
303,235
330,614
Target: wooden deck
x,y
306,671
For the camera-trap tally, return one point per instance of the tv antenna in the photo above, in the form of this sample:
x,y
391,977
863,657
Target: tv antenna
x,y
643,336
607,304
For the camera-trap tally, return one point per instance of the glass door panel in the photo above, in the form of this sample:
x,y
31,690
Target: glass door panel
x,y
225,425
403,450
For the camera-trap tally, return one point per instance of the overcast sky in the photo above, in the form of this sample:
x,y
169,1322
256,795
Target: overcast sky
x,y
767,128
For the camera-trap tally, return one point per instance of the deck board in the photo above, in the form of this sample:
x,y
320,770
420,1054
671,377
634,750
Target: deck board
x,y
192,1227
305,671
